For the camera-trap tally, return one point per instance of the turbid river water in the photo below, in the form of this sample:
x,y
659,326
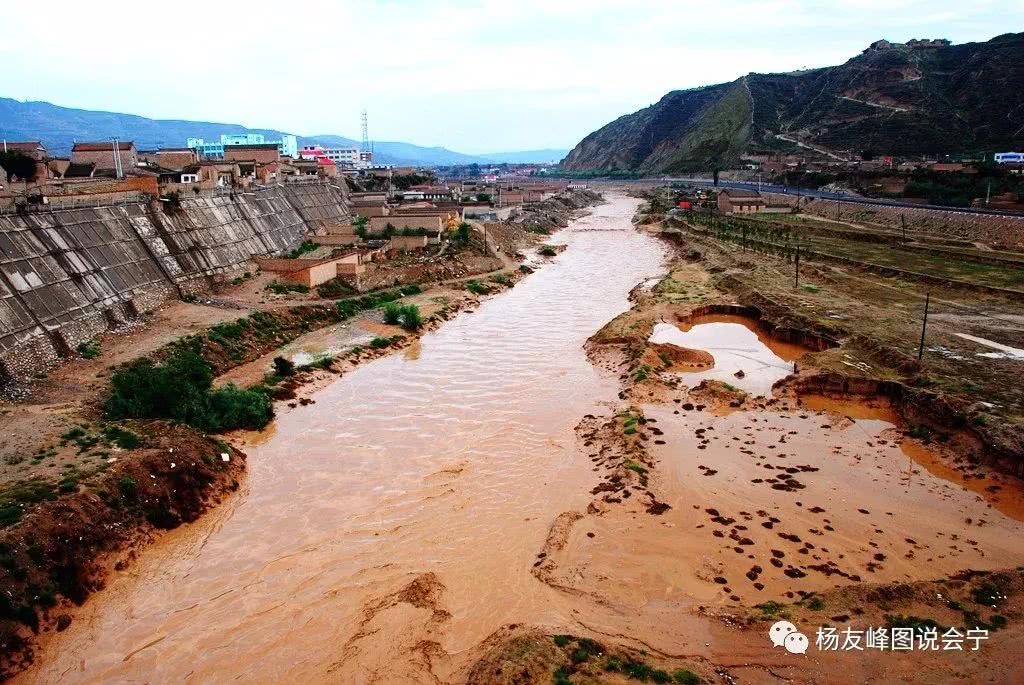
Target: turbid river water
x,y
396,520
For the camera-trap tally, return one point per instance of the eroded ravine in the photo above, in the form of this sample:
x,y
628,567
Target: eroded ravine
x,y
396,520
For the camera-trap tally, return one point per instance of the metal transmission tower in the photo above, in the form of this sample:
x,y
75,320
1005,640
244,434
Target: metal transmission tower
x,y
366,134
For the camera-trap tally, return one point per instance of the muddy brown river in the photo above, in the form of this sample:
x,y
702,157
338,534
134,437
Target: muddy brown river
x,y
395,520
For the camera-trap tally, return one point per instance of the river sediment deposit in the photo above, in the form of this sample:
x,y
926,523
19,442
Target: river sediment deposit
x,y
583,478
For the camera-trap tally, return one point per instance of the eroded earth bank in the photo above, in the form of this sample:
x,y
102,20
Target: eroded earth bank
x,y
616,471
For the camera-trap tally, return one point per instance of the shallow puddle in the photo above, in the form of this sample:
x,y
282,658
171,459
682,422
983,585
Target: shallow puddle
x,y
745,357
1002,492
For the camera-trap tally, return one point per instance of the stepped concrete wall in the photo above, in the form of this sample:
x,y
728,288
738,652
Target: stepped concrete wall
x,y
68,275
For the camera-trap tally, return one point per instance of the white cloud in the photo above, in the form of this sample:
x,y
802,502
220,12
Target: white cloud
x,y
476,75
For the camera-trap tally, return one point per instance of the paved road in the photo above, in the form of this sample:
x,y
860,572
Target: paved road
x,y
845,197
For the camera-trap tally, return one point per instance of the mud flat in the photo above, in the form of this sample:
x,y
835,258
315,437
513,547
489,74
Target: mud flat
x,y
733,496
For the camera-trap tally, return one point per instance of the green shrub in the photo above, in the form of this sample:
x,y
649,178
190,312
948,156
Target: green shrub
x,y
380,343
306,246
411,289
283,367
232,407
548,251
392,314
410,317
89,349
72,434
128,487
180,390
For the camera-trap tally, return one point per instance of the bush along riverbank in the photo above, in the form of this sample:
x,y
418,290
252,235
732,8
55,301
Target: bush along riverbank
x,y
158,461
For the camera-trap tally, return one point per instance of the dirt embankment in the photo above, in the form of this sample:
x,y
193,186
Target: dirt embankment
x,y
61,549
555,212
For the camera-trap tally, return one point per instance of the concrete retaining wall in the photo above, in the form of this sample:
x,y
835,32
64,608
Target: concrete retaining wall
x,y
67,276
1007,231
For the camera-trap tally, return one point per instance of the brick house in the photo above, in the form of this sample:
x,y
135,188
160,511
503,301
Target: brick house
x,y
30,148
102,155
430,222
259,153
173,158
734,200
347,264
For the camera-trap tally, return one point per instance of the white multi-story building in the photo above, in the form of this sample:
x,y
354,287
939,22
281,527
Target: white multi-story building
x,y
344,157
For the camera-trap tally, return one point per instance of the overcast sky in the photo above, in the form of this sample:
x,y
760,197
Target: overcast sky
x,y
473,76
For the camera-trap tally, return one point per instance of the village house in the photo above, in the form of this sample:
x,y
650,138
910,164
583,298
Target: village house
x,y
345,264
109,156
431,222
306,167
733,200
30,148
369,209
171,158
261,153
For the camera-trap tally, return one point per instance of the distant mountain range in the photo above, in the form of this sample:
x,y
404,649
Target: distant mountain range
x,y
923,97
59,127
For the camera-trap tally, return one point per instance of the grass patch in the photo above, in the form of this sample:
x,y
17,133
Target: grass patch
x,y
477,288
123,438
685,676
772,609
334,288
14,498
548,251
635,467
281,288
918,624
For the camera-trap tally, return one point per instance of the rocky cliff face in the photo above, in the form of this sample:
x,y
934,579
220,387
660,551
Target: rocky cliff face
x,y
921,97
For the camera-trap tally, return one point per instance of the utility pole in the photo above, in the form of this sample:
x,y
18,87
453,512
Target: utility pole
x,y
988,192
796,271
903,221
118,169
924,326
